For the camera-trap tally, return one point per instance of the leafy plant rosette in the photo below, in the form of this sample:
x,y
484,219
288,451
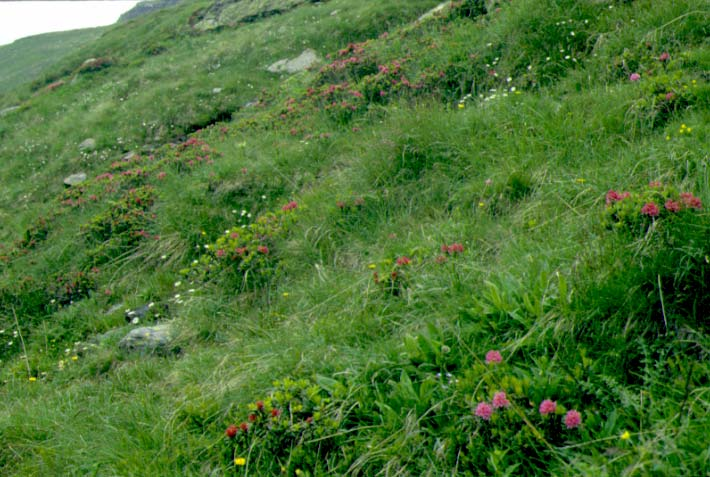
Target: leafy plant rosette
x,y
247,253
669,237
294,428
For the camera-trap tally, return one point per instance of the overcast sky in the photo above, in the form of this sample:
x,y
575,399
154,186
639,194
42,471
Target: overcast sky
x,y
21,19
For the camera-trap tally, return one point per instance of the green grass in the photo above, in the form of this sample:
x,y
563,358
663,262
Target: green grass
x,y
26,59
485,135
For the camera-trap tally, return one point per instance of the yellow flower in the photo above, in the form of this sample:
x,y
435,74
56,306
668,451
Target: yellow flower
x,y
285,294
668,138
75,358
461,106
580,180
481,204
240,461
625,436
372,266
688,129
32,379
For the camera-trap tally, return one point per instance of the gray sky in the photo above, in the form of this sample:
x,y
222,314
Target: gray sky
x,y
27,18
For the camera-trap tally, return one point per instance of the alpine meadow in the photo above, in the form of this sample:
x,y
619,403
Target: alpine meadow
x,y
359,238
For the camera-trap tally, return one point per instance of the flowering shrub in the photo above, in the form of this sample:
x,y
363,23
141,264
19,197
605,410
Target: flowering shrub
x,y
123,225
668,237
295,427
391,275
67,288
34,234
637,212
246,253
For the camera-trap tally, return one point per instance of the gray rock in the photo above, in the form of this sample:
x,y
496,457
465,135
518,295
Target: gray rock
x,y
87,145
150,339
75,179
302,62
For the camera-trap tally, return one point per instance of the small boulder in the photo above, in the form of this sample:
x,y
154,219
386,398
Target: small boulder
x,y
302,62
150,339
87,145
75,179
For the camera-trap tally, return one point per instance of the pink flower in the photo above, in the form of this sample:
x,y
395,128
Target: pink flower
x,y
500,400
672,205
613,196
573,419
664,56
669,96
654,184
691,201
220,253
547,407
484,411
494,357
634,77
650,209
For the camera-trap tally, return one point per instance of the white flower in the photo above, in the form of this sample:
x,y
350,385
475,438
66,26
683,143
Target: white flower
x,y
177,284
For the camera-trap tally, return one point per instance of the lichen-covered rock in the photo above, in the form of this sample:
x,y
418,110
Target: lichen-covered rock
x,y
74,179
150,339
302,62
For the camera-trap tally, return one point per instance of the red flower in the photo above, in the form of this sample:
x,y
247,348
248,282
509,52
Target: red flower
x,y
547,407
231,431
275,412
672,206
494,357
220,253
664,56
244,426
691,201
260,405
401,261
573,419
263,249
650,209
252,417
484,411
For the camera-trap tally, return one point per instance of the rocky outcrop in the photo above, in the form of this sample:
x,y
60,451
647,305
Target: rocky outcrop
x,y
233,12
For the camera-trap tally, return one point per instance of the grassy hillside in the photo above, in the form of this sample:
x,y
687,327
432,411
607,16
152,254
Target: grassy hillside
x,y
471,244
24,60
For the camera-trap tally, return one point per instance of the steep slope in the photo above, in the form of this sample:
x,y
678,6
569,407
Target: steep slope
x,y
25,59
469,244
